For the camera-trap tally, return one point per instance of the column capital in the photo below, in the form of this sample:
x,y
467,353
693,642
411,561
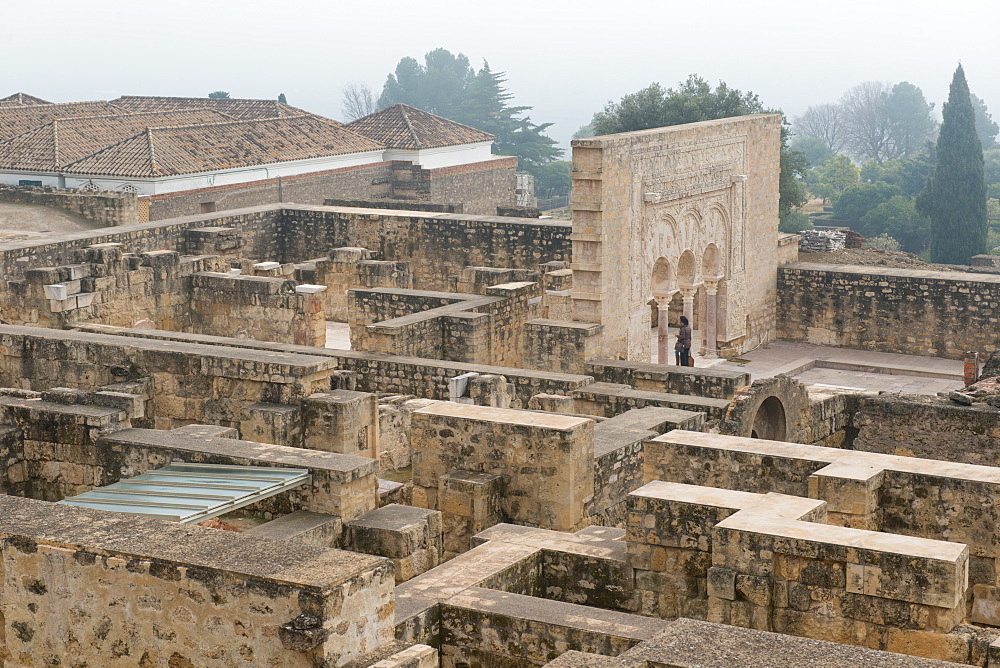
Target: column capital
x,y
663,298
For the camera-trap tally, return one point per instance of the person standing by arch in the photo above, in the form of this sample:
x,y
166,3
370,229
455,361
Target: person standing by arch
x,y
683,344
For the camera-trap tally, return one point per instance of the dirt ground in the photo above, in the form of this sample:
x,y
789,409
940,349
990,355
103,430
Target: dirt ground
x,y
871,256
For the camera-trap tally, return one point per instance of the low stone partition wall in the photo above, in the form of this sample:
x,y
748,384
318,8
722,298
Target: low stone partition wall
x,y
75,571
713,383
546,461
485,607
256,227
910,311
689,643
618,455
105,286
931,427
256,307
607,400
443,325
191,382
924,498
106,207
561,345
392,374
766,562
350,268
438,246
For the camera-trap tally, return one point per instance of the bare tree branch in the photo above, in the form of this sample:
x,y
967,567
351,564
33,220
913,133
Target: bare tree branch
x,y
869,132
358,100
826,122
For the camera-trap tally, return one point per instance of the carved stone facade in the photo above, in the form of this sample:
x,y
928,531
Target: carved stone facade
x,y
691,208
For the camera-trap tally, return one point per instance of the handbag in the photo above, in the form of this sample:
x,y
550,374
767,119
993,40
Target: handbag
x,y
690,358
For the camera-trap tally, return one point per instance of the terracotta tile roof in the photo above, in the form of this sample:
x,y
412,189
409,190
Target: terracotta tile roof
x,y
169,151
21,100
51,146
406,127
18,120
238,108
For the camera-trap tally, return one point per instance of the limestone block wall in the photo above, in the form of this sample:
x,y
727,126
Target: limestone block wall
x,y
560,345
50,451
446,325
348,268
391,374
108,588
915,312
255,307
673,379
703,198
190,382
618,455
438,246
105,286
926,498
488,606
546,460
927,427
256,227
767,562
105,207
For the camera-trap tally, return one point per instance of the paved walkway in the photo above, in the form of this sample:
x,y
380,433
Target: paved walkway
x,y
19,222
338,335
822,366
826,366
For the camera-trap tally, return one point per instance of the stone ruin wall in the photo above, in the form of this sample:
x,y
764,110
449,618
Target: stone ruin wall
x,y
163,289
712,211
479,188
103,586
106,207
914,312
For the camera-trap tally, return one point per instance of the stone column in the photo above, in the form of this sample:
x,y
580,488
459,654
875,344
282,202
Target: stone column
x,y
711,313
687,295
662,325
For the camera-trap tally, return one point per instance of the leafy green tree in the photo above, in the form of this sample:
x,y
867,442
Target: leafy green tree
x,y
282,99
955,197
986,127
695,100
584,132
448,86
815,149
991,166
833,177
553,179
857,200
899,219
794,222
218,94
439,86
910,174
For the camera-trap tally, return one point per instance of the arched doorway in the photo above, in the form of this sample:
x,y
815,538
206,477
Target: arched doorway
x,y
770,422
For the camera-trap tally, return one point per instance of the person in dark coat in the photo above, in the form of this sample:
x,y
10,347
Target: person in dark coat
x,y
683,345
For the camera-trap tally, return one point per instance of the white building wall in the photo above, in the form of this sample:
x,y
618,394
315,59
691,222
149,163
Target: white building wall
x,y
222,177
444,156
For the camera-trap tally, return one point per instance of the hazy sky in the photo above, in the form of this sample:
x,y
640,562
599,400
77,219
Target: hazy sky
x,y
564,58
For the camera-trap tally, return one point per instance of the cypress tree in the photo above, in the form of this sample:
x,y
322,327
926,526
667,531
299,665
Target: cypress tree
x,y
955,197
